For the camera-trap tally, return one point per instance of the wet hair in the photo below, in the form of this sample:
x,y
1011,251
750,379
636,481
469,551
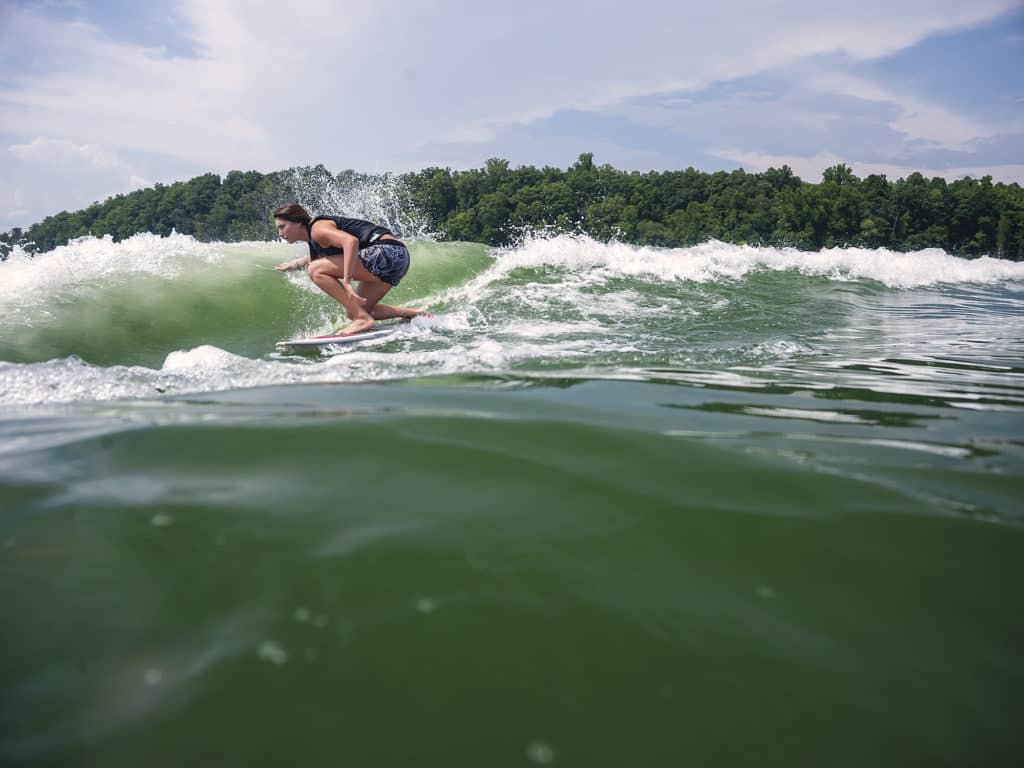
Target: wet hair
x,y
293,212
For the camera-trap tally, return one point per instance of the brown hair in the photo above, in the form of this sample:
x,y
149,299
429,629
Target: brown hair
x,y
293,212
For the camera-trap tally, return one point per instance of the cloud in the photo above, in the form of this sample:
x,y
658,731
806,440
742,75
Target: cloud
x,y
130,97
593,56
65,152
811,168
12,203
379,86
470,134
45,155
916,119
48,174
265,83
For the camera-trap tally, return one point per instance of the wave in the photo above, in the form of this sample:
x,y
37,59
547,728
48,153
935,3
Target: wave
x,y
136,300
52,276
714,261
102,320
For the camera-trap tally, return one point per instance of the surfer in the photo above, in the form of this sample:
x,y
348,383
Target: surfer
x,y
342,250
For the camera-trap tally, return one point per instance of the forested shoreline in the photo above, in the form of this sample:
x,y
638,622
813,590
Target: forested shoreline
x,y
496,204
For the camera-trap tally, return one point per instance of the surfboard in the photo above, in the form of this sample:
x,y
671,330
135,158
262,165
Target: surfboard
x,y
318,342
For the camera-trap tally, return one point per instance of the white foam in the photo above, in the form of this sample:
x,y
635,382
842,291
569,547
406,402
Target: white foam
x,y
204,369
590,262
67,380
91,260
781,349
202,358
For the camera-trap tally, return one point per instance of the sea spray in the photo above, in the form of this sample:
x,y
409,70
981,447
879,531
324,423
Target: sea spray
x,y
381,199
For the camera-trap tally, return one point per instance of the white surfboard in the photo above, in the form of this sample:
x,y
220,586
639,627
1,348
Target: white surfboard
x,y
318,342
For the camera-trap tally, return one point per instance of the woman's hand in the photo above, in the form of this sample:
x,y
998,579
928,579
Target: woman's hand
x,y
286,266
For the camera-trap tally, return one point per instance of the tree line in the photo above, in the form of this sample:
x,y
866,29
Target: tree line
x,y
496,204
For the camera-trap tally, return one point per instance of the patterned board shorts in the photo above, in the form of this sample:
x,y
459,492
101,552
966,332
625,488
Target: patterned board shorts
x,y
387,261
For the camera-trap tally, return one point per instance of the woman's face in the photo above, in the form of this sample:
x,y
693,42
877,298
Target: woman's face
x,y
290,231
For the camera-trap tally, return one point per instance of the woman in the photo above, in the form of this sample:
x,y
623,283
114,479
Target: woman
x,y
341,250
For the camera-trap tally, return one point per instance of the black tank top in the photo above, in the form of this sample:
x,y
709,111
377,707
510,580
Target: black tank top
x,y
366,232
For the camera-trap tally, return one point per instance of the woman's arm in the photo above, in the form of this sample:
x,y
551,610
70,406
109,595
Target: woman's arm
x,y
289,265
327,233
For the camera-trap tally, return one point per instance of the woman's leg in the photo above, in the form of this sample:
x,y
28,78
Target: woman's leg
x,y
374,292
386,312
326,273
395,260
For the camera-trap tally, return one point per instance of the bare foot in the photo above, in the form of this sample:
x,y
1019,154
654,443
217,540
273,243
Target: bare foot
x,y
356,326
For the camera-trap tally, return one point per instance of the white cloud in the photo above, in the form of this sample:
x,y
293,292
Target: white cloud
x,y
268,82
370,85
73,5
811,168
917,119
50,174
474,133
130,97
12,202
63,152
590,56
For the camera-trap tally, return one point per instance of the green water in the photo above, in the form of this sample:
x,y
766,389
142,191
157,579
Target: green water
x,y
597,513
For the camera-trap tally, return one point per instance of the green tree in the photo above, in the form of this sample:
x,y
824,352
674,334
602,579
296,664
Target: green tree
x,y
497,203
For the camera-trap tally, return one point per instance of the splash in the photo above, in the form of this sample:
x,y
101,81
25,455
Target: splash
x,y
715,261
382,199
91,260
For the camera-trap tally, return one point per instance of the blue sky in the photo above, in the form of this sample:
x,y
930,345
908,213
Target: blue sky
x,y
105,96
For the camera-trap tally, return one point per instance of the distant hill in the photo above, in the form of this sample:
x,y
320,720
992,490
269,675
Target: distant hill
x,y
496,204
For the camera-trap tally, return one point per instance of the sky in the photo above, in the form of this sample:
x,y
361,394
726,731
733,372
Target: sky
x,y
100,97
